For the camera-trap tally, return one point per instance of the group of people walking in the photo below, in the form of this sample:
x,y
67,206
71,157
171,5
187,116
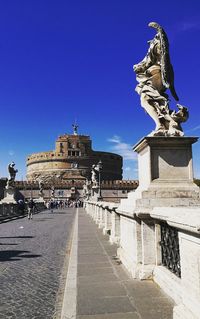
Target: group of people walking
x,y
61,204
31,208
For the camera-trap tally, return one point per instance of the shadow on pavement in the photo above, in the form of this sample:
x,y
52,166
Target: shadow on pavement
x,y
13,218
41,219
7,237
8,244
12,255
58,213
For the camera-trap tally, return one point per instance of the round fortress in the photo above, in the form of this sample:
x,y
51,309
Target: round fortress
x,y
72,159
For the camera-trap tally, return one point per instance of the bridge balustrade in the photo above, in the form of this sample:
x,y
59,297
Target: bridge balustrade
x,y
11,210
162,244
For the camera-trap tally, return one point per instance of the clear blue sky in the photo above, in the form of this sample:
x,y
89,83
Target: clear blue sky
x,y
61,60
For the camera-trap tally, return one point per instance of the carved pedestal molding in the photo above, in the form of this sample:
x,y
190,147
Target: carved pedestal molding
x,y
165,163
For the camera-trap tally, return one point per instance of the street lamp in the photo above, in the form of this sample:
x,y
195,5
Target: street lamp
x,y
99,168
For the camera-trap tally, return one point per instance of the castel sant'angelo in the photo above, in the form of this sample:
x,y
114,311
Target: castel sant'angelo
x,y
72,158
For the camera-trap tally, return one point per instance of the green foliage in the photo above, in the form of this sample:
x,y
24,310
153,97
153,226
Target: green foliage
x,y
197,181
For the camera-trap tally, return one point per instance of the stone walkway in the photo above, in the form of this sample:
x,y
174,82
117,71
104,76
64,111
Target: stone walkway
x,y
32,255
105,289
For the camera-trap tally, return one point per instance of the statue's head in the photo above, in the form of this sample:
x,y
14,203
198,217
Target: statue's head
x,y
160,34
155,25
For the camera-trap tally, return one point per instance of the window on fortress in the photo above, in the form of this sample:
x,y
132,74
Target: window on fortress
x,y
69,153
61,147
73,153
77,153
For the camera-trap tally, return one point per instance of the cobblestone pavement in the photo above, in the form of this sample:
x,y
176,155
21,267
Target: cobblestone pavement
x,y
32,254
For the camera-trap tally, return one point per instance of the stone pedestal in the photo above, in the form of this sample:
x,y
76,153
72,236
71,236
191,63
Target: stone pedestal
x,y
165,174
165,163
9,196
165,180
95,194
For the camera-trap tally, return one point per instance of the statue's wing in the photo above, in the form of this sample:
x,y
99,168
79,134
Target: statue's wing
x,y
167,72
171,83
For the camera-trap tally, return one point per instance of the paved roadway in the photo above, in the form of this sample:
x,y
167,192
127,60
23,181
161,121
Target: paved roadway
x,y
32,257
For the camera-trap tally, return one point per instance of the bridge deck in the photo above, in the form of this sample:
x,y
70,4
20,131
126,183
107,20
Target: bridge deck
x,y
105,290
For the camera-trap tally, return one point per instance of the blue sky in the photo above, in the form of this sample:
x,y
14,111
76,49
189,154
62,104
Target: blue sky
x,y
65,60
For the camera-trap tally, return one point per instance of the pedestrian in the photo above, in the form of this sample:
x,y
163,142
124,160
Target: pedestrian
x,y
67,203
31,208
51,205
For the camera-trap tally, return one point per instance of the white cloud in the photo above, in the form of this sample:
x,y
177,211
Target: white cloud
x,y
127,169
185,26
11,153
188,25
114,139
121,148
196,128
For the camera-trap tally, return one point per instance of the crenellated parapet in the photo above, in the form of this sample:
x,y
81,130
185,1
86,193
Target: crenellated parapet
x,y
117,184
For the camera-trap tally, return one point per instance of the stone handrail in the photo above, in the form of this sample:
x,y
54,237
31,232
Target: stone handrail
x,y
183,219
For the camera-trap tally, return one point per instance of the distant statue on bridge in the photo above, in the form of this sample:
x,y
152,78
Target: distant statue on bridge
x,y
155,75
75,129
52,191
41,187
94,176
86,189
12,172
